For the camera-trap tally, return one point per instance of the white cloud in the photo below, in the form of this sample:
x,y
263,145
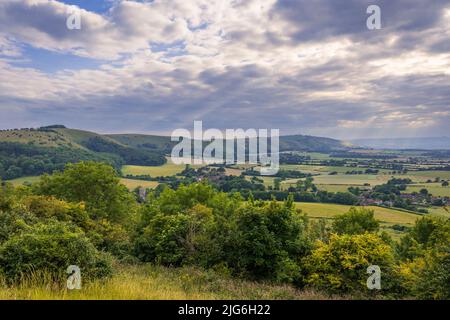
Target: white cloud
x,y
234,63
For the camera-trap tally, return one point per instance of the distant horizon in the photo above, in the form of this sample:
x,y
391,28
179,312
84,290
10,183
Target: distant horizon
x,y
281,134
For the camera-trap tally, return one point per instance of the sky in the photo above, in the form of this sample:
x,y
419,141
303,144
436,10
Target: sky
x,y
300,66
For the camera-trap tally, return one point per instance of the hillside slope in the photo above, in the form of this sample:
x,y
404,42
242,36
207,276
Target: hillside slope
x,y
287,143
43,150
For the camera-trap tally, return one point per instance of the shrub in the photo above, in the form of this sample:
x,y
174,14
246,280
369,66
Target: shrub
x,y
355,221
51,247
267,241
340,266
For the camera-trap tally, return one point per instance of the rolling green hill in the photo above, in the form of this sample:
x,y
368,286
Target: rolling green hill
x,y
287,143
310,143
29,152
33,151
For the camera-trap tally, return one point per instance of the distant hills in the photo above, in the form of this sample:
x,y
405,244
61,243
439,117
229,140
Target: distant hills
x,y
432,143
35,151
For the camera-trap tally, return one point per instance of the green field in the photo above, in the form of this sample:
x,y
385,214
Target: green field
x,y
434,188
384,215
351,179
24,180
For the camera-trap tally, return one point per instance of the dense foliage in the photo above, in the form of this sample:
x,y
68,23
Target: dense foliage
x,y
17,159
132,156
84,216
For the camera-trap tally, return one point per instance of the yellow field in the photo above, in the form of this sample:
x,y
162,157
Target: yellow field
x,y
384,215
168,169
440,211
132,184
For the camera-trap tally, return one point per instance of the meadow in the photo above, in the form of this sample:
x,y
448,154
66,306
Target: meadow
x,y
384,215
166,170
436,189
151,282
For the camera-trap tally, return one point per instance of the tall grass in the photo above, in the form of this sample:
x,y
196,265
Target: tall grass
x,y
148,282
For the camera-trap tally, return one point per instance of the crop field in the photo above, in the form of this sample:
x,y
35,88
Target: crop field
x,y
132,184
334,187
168,169
384,215
422,176
434,188
440,211
351,179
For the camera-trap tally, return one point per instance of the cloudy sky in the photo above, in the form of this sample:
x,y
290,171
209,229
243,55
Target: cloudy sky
x,y
303,66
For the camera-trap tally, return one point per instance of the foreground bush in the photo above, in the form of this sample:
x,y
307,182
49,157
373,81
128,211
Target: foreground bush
x,y
341,264
196,225
424,254
51,247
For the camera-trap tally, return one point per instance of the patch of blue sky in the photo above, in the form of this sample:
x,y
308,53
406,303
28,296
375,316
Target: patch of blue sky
x,y
99,6
174,49
52,62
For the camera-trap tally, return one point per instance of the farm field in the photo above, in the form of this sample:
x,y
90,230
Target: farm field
x,y
430,174
440,211
334,187
384,215
132,184
351,179
168,169
434,188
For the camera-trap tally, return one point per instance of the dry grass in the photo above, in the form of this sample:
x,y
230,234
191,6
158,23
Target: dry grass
x,y
149,282
132,184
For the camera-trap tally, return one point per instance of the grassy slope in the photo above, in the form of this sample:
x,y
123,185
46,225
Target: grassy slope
x,y
38,138
135,140
152,282
55,138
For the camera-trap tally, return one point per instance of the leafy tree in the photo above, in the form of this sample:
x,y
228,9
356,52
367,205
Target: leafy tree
x,y
95,184
356,221
267,241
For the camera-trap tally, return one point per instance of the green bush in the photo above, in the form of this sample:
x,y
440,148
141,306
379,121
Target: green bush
x,y
197,225
51,247
355,221
340,266
267,241
95,184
